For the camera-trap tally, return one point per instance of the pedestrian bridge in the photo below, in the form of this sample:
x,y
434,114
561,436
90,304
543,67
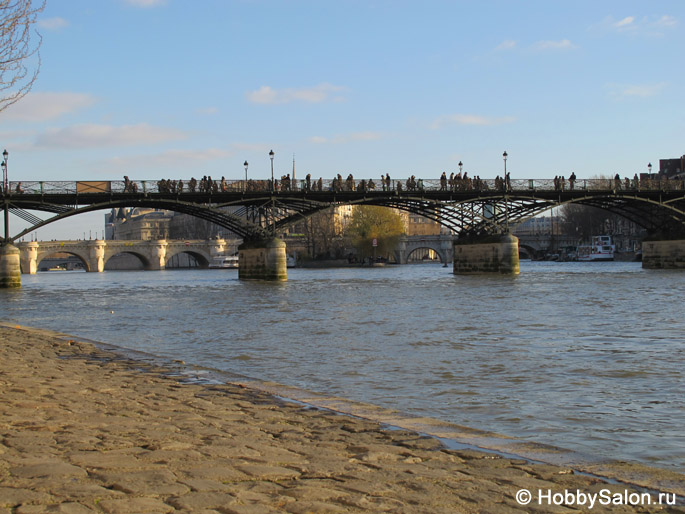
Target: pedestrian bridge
x,y
95,253
482,213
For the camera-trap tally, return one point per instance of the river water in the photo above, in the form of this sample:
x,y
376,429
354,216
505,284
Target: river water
x,y
586,356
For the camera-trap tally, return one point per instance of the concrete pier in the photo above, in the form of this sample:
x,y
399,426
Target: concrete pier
x,y
663,254
262,260
10,267
488,254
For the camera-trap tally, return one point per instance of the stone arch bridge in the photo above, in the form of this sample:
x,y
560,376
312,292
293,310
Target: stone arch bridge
x,y
94,254
442,244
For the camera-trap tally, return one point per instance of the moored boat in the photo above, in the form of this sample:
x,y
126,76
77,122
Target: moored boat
x,y
601,249
226,262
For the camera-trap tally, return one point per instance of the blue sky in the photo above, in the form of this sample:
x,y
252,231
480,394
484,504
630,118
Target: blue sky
x,y
174,88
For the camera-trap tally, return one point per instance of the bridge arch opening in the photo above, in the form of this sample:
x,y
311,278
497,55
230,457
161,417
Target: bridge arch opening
x,y
186,259
61,261
424,254
527,252
127,261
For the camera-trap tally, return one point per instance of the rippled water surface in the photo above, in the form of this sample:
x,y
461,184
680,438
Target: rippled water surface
x,y
587,356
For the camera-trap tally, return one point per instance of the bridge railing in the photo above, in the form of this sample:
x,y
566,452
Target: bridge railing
x,y
346,185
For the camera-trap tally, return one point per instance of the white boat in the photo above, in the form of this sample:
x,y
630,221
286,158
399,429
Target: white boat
x,y
226,262
601,249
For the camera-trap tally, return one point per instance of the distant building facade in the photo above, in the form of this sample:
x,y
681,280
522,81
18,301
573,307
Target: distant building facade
x,y
140,224
672,168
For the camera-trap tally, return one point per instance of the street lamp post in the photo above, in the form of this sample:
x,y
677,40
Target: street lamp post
x,y
460,166
5,188
506,188
649,169
271,156
5,182
245,187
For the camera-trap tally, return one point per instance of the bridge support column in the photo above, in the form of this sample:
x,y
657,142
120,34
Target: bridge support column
x,y
10,267
262,260
447,248
663,254
96,256
158,254
29,257
401,251
489,254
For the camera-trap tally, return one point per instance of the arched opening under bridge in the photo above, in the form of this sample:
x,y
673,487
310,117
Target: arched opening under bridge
x,y
424,255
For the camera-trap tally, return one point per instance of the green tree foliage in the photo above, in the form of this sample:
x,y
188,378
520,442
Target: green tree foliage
x,y
369,222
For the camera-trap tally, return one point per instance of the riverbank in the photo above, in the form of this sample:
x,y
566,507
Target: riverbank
x,y
84,430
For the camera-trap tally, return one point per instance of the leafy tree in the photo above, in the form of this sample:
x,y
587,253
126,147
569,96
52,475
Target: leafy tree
x,y
324,239
17,48
372,222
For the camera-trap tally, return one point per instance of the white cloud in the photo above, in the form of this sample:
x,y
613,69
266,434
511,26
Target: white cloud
x,y
506,45
621,91
55,23
628,21
322,93
666,21
563,44
145,3
646,25
347,138
36,107
470,119
94,136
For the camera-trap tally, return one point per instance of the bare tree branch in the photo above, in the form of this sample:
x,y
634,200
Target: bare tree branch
x,y
19,56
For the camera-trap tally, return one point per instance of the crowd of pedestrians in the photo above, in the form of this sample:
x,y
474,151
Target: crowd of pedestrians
x,y
455,182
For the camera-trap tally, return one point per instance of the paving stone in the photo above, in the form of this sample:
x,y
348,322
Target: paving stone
x,y
60,508
12,497
194,501
135,505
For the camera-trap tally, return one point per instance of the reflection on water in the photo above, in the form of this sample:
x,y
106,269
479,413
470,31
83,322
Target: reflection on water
x,y
588,356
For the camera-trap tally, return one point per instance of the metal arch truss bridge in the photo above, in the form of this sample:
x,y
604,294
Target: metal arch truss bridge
x,y
259,209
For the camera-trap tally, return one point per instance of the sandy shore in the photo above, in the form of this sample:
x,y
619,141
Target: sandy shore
x,y
82,430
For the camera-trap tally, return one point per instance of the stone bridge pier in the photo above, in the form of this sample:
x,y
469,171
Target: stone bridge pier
x,y
262,259
487,254
10,270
